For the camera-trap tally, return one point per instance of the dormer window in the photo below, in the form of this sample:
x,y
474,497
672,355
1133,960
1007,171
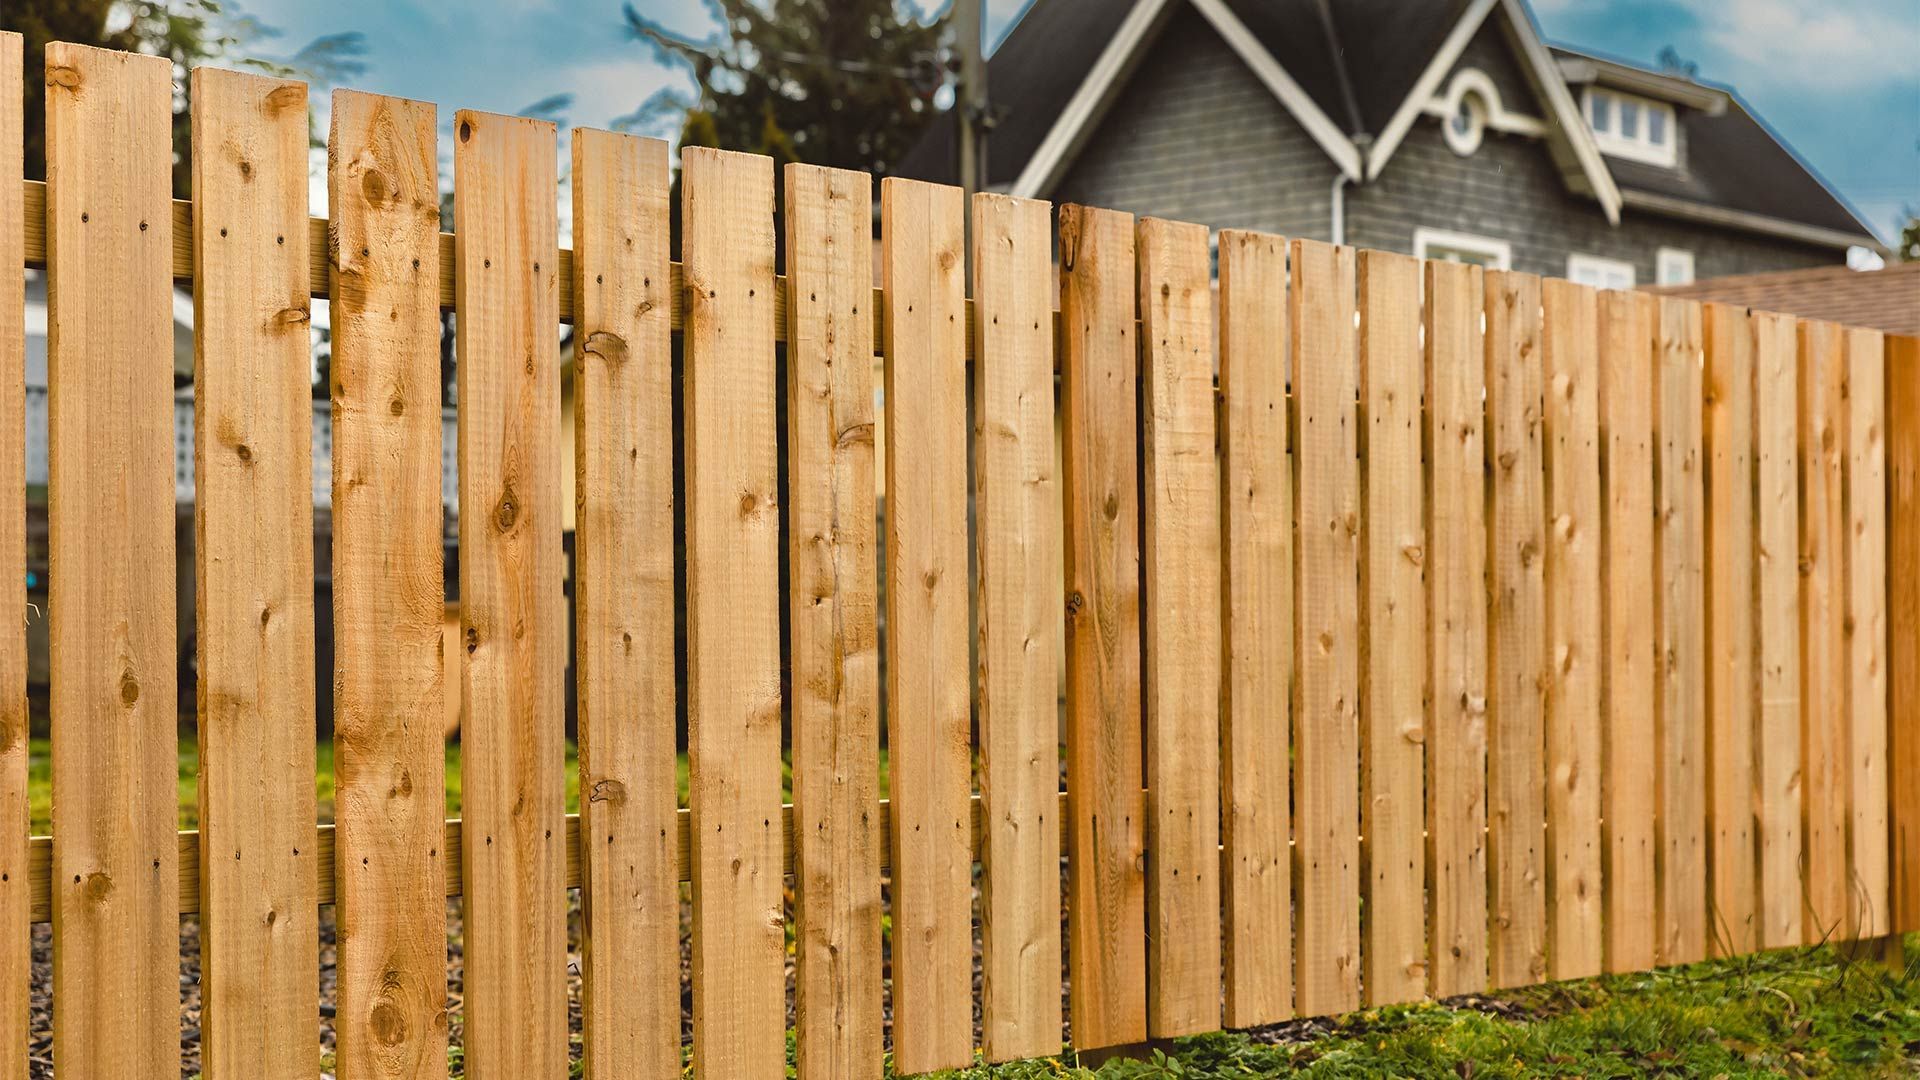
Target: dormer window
x,y
1631,127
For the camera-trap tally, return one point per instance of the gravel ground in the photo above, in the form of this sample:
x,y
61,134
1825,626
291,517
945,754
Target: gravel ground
x,y
41,1034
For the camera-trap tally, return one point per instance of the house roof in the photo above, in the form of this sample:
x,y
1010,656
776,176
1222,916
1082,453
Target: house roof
x,y
1354,65
1887,299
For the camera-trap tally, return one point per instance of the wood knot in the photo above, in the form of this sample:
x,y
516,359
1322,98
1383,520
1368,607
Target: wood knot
x,y
507,512
64,76
606,345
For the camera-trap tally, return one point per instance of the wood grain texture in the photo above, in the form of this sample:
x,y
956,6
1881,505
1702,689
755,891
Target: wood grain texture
x,y
833,632
1777,587
1394,633
623,600
1106,880
16,954
929,681
390,876
1517,633
1732,634
1627,709
1823,645
16,904
1903,627
1680,719
111,563
1570,355
733,615
1457,628
1327,629
253,560
1256,737
512,610
1865,480
1181,504
1017,527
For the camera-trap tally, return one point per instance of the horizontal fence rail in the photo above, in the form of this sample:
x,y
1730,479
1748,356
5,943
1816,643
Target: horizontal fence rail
x,y
1424,629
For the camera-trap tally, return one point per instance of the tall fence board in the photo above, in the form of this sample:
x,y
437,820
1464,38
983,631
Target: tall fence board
x,y
1106,882
389,787
1017,527
1732,631
1457,628
511,613
253,562
923,259
1180,493
116,1006
1394,633
623,584
1575,657
1516,659
1327,629
16,955
1479,630
1257,514
833,636
733,615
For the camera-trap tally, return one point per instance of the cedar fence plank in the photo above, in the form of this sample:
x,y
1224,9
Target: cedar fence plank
x,y
1865,482
1394,634
1017,514
1777,584
1823,648
111,624
833,633
16,976
1903,626
623,594
253,557
733,615
511,606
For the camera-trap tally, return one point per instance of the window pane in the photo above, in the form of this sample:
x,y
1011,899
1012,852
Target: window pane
x,y
1597,105
1657,127
1629,120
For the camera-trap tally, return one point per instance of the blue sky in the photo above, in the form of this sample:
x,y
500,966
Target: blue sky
x,y
1839,79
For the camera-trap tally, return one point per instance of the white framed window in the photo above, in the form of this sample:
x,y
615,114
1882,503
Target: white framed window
x,y
1631,127
1462,248
1673,266
1598,272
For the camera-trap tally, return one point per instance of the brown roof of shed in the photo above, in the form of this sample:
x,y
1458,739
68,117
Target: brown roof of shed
x,y
1887,299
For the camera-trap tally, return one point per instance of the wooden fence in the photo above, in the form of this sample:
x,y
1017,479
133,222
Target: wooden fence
x,y
1475,631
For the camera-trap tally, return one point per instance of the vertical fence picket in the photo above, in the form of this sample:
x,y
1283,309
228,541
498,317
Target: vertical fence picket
x,y
1823,649
15,903
1571,451
1327,631
1680,737
1731,634
623,600
1258,643
513,842
1777,585
1105,867
111,545
1181,504
1394,633
834,638
1865,737
1456,729
1903,626
929,727
733,615
1017,513
253,557
1627,784
1517,619
390,874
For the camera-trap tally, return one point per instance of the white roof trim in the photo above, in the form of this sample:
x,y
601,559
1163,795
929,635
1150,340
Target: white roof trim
x,y
1668,206
1324,131
1122,54
1499,117
1570,127
1096,92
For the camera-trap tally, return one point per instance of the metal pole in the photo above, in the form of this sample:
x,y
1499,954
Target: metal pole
x,y
970,104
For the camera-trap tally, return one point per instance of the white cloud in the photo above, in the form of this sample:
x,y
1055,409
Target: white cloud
x,y
605,90
1828,45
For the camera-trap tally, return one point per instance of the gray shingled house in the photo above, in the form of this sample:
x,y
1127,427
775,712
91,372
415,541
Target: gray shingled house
x,y
1441,128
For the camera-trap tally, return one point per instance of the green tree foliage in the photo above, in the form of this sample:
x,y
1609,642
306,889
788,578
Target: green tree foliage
x,y
844,83
1909,248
